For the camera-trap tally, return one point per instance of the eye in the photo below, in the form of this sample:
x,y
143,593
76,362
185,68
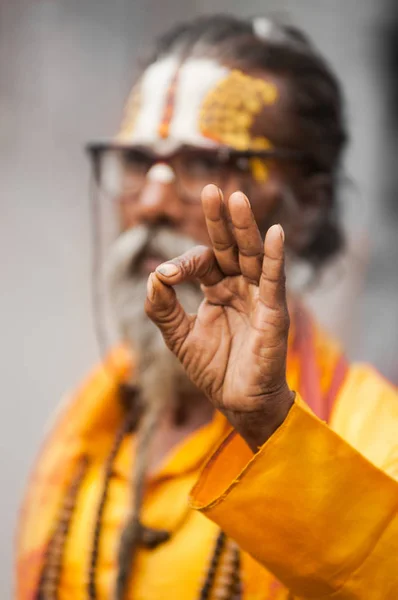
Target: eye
x,y
123,170
200,165
136,161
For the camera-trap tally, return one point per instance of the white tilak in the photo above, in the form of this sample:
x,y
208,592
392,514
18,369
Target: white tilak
x,y
154,86
196,78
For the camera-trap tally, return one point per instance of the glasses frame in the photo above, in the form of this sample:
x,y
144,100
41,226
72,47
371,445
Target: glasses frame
x,y
224,154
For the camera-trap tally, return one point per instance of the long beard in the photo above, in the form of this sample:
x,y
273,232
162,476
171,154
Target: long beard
x,y
158,373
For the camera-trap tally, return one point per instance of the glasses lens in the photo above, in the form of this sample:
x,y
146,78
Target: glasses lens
x,y
194,170
122,172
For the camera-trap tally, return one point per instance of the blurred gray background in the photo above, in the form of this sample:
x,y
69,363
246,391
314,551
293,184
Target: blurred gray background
x,y
66,67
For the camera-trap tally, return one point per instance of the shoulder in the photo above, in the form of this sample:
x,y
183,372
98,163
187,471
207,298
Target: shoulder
x,y
82,420
366,416
82,427
93,403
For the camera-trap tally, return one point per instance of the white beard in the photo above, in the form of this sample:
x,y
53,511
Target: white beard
x,y
158,373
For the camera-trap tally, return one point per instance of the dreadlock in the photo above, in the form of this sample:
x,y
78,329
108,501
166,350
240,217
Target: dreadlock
x,y
316,102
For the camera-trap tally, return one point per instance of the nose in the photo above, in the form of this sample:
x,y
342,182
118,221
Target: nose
x,y
159,204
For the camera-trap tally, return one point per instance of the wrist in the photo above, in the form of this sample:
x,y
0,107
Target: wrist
x,y
257,426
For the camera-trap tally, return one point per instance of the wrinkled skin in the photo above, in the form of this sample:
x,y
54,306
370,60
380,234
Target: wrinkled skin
x,y
234,349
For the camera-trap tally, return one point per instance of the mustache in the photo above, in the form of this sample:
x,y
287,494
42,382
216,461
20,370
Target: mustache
x,y
133,245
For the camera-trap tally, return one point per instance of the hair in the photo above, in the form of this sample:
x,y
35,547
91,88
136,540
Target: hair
x,y
316,102
316,98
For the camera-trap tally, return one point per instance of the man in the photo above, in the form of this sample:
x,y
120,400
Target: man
x,y
299,489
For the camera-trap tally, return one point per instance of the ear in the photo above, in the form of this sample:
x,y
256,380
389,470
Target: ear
x,y
315,197
317,192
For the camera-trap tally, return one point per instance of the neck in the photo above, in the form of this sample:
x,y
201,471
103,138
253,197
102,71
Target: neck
x,y
191,411
176,424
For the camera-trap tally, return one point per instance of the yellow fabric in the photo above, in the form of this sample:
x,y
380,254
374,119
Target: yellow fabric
x,y
87,426
308,506
166,506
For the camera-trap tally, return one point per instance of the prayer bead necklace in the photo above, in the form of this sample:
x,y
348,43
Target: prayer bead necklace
x,y
222,580
124,430
49,583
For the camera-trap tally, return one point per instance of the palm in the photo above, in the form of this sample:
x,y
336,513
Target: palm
x,y
234,349
225,353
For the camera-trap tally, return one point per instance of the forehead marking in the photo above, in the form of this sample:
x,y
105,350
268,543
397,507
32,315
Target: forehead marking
x,y
229,110
145,106
199,102
168,112
197,77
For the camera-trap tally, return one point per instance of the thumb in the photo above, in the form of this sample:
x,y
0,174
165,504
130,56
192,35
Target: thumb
x,y
163,308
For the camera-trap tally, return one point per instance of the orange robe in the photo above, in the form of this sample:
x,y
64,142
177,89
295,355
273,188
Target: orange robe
x,y
314,511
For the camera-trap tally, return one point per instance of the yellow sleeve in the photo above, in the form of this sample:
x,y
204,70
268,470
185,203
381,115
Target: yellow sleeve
x,y
310,507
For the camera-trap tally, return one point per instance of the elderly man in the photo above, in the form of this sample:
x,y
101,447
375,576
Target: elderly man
x,y
288,453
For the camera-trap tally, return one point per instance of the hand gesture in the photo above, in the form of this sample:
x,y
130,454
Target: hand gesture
x,y
234,349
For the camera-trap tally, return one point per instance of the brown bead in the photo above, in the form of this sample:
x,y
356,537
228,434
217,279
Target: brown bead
x,y
227,570
49,589
228,561
225,581
221,593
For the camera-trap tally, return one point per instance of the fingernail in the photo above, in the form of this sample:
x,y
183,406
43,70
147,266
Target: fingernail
x,y
245,199
150,288
240,197
282,233
168,269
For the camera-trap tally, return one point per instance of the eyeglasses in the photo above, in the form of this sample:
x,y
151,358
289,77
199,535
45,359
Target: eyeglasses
x,y
121,171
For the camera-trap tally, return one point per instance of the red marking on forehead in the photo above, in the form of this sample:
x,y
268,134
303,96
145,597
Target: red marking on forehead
x,y
168,111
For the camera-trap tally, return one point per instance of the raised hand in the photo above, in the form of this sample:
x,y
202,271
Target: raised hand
x,y
234,349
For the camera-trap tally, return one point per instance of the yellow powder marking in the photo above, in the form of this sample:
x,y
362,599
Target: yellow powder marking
x,y
228,111
259,169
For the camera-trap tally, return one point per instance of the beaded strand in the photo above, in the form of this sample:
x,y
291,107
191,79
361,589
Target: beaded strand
x,y
49,583
123,431
227,582
223,572
211,572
